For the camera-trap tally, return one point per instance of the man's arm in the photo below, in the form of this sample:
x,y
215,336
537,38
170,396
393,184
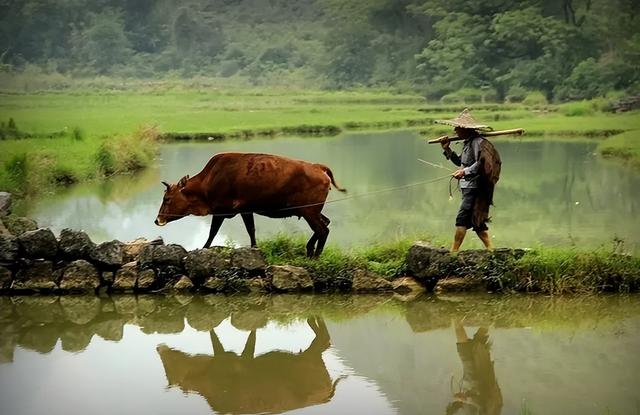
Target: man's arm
x,y
475,167
451,155
448,153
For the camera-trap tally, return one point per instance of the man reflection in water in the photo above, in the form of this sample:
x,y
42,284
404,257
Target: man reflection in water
x,y
479,393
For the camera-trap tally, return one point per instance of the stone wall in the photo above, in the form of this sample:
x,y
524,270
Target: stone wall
x,y
470,270
34,260
37,261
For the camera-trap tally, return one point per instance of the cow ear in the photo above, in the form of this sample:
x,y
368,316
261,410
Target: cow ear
x,y
167,185
182,183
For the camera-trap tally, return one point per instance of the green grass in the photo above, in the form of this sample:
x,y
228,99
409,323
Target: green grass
x,y
202,111
335,267
564,271
549,271
625,146
31,166
217,111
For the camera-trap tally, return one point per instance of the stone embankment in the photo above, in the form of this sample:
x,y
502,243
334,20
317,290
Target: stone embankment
x,y
37,261
34,260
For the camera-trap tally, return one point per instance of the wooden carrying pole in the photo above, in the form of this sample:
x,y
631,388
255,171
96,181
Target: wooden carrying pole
x,y
515,131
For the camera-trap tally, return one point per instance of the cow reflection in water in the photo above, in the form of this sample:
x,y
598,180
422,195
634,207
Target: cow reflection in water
x,y
276,381
478,392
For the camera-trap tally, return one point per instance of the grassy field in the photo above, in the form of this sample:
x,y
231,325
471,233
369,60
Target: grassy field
x,y
217,112
192,111
79,135
625,146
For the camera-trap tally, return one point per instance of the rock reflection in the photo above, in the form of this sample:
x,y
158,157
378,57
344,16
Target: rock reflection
x,y
478,391
276,381
38,323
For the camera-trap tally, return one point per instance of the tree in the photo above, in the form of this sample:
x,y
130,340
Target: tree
x,y
351,59
103,44
194,38
450,61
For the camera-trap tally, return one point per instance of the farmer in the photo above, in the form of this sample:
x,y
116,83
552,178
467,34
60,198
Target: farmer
x,y
479,169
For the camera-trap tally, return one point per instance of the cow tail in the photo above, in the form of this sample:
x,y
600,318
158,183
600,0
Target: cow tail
x,y
329,173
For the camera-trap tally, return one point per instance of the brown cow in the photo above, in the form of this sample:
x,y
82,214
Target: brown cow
x,y
274,382
248,183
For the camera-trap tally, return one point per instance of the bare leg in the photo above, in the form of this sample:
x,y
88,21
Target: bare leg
x,y
486,239
461,334
247,218
216,222
461,231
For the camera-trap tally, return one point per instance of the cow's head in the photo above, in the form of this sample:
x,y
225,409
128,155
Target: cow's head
x,y
178,202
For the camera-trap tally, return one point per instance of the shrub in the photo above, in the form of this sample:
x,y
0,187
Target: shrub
x,y
470,96
577,109
452,98
77,134
535,98
590,79
229,68
10,130
16,169
64,176
105,159
516,94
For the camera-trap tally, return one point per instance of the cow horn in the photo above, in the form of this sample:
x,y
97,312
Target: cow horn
x,y
167,185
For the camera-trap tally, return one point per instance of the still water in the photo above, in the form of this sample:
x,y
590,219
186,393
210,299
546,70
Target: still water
x,y
319,354
552,193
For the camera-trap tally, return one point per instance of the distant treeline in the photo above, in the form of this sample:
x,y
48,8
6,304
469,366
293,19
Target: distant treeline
x,y
495,49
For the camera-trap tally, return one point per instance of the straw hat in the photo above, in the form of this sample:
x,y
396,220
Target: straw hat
x,y
464,120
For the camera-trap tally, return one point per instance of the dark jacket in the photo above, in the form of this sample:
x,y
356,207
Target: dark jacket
x,y
469,160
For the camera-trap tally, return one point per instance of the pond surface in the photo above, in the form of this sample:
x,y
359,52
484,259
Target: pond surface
x,y
553,193
319,354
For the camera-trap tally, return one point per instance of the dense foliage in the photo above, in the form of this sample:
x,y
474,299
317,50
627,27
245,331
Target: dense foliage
x,y
456,49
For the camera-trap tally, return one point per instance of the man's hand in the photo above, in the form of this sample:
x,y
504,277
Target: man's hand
x,y
458,174
444,142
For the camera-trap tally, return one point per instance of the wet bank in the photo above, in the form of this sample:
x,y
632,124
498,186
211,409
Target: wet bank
x,y
36,261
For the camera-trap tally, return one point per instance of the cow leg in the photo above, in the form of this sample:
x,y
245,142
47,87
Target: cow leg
x,y
323,234
314,237
322,341
325,219
320,234
218,349
247,218
250,346
311,245
216,222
